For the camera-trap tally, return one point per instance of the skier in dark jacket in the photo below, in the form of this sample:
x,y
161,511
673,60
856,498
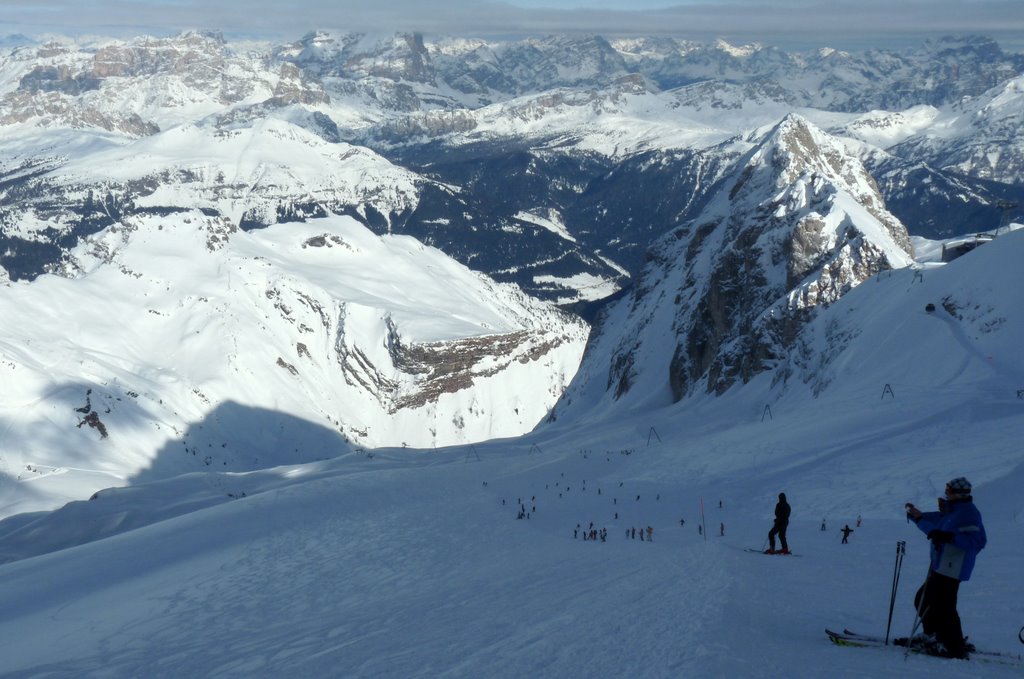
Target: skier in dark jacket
x,y
846,530
779,528
957,535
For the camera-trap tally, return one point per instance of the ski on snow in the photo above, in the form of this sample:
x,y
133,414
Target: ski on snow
x,y
758,551
849,638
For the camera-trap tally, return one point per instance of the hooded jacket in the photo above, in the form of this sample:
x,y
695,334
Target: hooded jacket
x,y
782,511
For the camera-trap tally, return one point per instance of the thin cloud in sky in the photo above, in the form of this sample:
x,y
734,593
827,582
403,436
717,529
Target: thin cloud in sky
x,y
806,22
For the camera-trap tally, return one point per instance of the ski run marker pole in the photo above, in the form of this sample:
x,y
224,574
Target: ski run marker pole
x,y
704,523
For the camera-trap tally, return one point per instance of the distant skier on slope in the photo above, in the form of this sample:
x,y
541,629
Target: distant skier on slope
x,y
957,535
782,510
846,530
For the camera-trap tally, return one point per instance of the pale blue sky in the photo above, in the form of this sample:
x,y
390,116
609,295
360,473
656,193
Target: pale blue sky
x,y
598,4
802,23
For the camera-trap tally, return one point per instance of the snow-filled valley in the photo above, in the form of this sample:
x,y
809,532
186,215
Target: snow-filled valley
x,y
180,344
407,563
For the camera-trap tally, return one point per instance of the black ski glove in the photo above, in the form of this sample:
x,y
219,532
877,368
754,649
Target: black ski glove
x,y
940,537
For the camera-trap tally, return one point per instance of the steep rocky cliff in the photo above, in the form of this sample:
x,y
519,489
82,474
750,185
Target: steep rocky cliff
x,y
725,295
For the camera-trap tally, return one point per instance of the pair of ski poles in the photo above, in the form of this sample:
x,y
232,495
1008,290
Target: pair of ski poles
x,y
901,550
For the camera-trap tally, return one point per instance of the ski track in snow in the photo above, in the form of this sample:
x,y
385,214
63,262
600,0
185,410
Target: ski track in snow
x,y
971,350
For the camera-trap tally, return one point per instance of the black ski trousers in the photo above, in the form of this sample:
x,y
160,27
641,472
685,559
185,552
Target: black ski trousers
x,y
778,529
936,602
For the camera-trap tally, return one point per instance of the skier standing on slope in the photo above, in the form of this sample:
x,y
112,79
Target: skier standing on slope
x,y
779,528
957,535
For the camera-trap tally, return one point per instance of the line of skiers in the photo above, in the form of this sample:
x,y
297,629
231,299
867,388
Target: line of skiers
x,y
631,533
523,513
591,533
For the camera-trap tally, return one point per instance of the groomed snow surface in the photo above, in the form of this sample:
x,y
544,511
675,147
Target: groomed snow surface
x,y
406,563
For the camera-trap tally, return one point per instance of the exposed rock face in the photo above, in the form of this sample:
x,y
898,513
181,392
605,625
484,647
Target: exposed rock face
x,y
411,375
802,225
451,367
798,224
54,107
299,87
184,54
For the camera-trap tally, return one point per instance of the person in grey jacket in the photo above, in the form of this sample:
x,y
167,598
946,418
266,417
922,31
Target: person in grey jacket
x,y
957,534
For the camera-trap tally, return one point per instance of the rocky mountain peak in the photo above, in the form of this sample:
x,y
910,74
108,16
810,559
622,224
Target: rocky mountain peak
x,y
726,295
156,56
795,146
737,50
804,166
800,144
802,224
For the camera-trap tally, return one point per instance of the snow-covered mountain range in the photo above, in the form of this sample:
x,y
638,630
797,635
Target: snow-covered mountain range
x,y
185,188
292,334
521,159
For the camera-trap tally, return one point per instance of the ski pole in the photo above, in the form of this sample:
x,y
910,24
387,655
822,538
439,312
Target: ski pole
x,y
901,548
918,619
920,610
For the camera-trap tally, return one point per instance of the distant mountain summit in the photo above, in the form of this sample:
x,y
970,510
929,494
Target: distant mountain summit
x,y
980,136
796,226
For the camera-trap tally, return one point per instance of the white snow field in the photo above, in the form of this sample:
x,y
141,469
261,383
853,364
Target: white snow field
x,y
406,563
232,351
